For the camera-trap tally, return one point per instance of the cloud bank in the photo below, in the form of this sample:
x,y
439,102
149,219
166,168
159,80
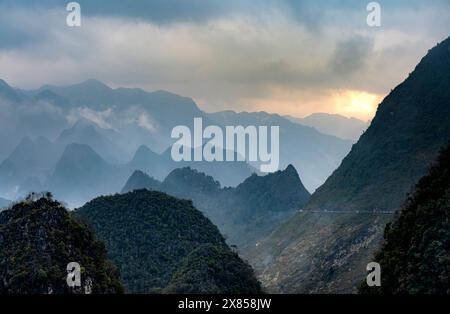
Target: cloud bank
x,y
289,57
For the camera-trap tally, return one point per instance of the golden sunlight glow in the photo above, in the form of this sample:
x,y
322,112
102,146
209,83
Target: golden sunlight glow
x,y
358,104
298,103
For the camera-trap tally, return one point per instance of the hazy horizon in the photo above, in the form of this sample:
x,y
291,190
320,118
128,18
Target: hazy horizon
x,y
286,57
211,110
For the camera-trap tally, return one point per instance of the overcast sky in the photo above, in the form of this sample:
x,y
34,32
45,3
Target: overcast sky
x,y
286,56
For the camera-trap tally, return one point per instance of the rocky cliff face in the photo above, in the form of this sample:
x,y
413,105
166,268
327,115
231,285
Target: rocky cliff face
x,y
318,252
327,247
410,127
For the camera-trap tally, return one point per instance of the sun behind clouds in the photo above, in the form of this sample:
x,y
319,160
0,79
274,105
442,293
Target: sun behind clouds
x,y
358,104
350,103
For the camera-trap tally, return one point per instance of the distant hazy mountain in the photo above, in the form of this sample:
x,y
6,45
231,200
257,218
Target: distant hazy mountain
x,y
39,238
76,172
118,123
95,94
81,174
414,257
227,173
150,162
145,118
85,132
9,94
160,165
31,160
163,244
87,93
140,180
22,115
323,251
314,154
244,214
191,184
334,124
139,116
47,96
38,154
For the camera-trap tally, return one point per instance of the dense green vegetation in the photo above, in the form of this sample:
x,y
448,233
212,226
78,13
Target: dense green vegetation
x,y
245,214
149,235
410,126
38,239
415,257
217,269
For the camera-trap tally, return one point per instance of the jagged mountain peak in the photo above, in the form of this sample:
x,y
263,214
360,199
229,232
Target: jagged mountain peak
x,y
192,179
91,85
289,173
4,85
83,123
9,93
80,156
76,148
144,152
139,180
290,169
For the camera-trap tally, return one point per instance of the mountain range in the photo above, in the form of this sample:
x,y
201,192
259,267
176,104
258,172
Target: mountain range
x,y
30,161
32,164
76,173
116,123
309,151
244,214
334,124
